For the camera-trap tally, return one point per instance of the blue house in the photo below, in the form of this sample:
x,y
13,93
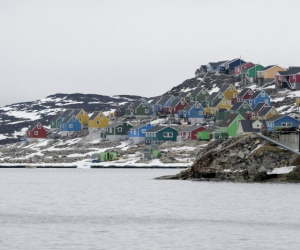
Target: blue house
x,y
230,65
65,114
193,112
164,102
137,133
215,66
70,125
281,121
259,96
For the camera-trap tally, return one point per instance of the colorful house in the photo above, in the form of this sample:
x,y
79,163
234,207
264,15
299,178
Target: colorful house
x,y
141,108
288,79
65,114
179,103
220,104
229,91
190,132
82,117
154,103
215,66
213,97
36,132
249,74
250,127
55,121
229,126
124,109
281,121
230,65
245,94
267,113
206,134
137,133
193,112
201,95
267,74
238,69
185,95
163,103
97,121
117,131
70,125
258,97
241,108
256,111
160,134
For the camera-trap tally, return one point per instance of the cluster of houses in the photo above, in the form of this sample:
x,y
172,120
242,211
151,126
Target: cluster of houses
x,y
230,112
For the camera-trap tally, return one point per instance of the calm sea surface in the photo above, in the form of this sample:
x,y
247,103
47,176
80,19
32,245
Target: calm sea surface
x,y
128,209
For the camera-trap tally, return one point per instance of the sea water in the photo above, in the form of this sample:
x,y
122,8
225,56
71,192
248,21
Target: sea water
x,y
128,209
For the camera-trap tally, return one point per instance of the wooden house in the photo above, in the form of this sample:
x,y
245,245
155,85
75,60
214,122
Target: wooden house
x,y
200,95
82,117
288,79
229,126
256,111
164,103
190,132
229,91
70,125
194,113
238,69
267,113
215,66
154,104
124,109
221,115
281,121
141,108
160,134
251,72
228,66
220,104
259,96
250,127
185,95
117,131
213,97
65,114
55,121
137,133
179,103
241,108
206,134
245,94
97,121
267,74
36,132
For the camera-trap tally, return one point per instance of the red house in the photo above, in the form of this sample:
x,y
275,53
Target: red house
x,y
245,94
238,69
190,132
288,79
257,110
35,132
179,103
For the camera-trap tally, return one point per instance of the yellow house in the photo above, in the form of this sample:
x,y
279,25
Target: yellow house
x,y
82,116
98,120
268,73
218,104
267,113
229,91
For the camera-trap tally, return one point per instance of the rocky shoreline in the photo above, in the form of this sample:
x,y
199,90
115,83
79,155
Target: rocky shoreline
x,y
241,159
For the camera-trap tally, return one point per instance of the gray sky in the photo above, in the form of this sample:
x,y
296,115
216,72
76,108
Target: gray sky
x,y
134,46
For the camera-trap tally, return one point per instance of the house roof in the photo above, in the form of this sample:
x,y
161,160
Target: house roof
x,y
68,118
277,117
176,101
190,128
265,111
32,126
209,129
259,106
115,124
190,105
268,67
230,118
77,111
216,64
94,115
155,99
140,126
182,94
237,105
159,128
290,71
256,94
67,112
216,102
54,118
212,96
247,126
224,88
242,64
203,66
196,91
244,92
164,99
126,105
136,104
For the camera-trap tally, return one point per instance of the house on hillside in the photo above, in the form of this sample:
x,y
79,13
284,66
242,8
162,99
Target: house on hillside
x,y
250,127
141,108
241,108
70,125
154,104
160,134
267,74
65,114
220,104
206,134
267,113
193,113
179,103
123,110
245,94
229,126
117,131
82,117
190,132
249,74
137,133
55,121
201,71
238,69
213,97
185,95
97,121
215,66
201,95
258,97
221,115
36,132
256,111
281,121
229,91
163,103
288,79
230,65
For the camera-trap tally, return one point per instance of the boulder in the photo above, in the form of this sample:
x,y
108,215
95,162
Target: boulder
x,y
241,155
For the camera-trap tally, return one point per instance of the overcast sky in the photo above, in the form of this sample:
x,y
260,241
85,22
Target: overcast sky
x,y
134,46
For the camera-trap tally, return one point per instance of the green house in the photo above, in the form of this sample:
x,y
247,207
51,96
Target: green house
x,y
108,156
55,121
141,108
206,135
229,126
117,131
160,134
241,108
201,95
251,71
221,114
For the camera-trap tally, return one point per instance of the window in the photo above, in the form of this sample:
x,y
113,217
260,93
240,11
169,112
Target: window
x,y
143,131
168,134
97,122
263,94
234,95
223,102
110,130
286,124
250,92
273,111
203,91
70,125
36,132
143,105
197,106
39,126
250,102
134,131
119,129
244,105
82,113
100,115
206,97
135,111
266,101
200,112
239,99
231,88
73,119
146,111
79,119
